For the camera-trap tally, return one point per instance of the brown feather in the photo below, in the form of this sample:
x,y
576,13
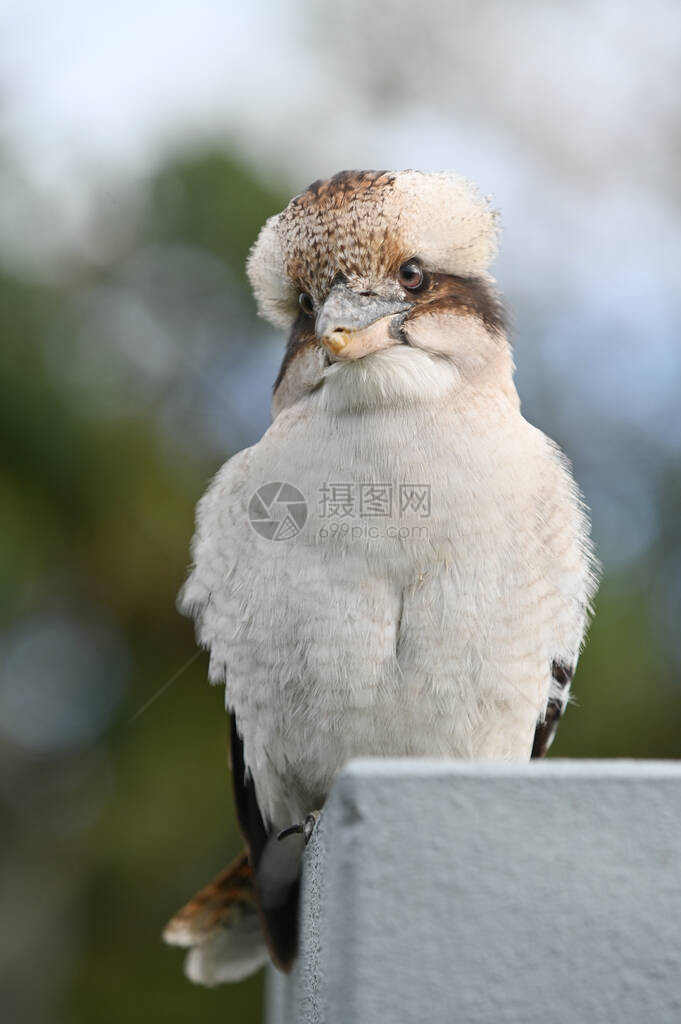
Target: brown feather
x,y
472,296
228,896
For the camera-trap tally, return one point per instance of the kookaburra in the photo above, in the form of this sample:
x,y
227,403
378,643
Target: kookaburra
x,y
401,566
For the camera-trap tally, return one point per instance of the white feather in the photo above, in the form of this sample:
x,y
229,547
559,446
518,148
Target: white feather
x,y
227,955
438,643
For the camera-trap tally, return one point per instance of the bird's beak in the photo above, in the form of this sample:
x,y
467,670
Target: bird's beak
x,y
351,325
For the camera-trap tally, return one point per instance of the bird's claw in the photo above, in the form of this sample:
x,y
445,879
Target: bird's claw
x,y
304,828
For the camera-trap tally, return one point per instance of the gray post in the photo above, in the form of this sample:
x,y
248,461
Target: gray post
x,y
447,892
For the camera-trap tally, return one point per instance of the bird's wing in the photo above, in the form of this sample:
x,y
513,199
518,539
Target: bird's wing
x,y
545,732
221,530
277,887
571,571
253,828
225,557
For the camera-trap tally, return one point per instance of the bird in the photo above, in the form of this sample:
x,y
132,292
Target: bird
x,y
402,565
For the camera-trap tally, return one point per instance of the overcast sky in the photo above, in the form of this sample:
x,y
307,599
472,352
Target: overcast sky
x,y
568,114
541,104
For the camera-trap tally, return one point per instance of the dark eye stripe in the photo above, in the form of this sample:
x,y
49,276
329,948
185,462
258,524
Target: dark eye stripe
x,y
445,293
302,334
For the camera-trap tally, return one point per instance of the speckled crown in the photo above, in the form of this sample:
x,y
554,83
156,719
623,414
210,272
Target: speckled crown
x,y
366,223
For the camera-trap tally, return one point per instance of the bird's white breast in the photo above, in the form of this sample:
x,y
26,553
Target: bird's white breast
x,y
409,634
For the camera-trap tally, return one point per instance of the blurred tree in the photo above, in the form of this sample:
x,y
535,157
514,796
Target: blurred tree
x,y
103,461
96,516
212,202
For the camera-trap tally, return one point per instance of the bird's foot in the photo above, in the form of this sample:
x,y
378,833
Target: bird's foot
x,y
304,828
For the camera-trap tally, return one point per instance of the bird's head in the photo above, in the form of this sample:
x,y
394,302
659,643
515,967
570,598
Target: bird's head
x,y
381,280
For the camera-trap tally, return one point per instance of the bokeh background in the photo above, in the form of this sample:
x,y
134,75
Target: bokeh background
x,y
141,148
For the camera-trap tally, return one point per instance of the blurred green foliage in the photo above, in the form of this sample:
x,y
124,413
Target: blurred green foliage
x,y
96,515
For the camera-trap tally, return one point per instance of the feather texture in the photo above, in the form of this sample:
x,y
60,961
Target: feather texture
x,y
437,605
439,642
220,928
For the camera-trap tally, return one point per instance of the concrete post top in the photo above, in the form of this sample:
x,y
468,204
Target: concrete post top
x,y
449,892
428,769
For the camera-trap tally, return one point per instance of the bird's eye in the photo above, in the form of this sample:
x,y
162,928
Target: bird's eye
x,y
306,304
411,275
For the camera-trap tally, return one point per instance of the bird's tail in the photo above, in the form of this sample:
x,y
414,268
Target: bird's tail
x,y
221,929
